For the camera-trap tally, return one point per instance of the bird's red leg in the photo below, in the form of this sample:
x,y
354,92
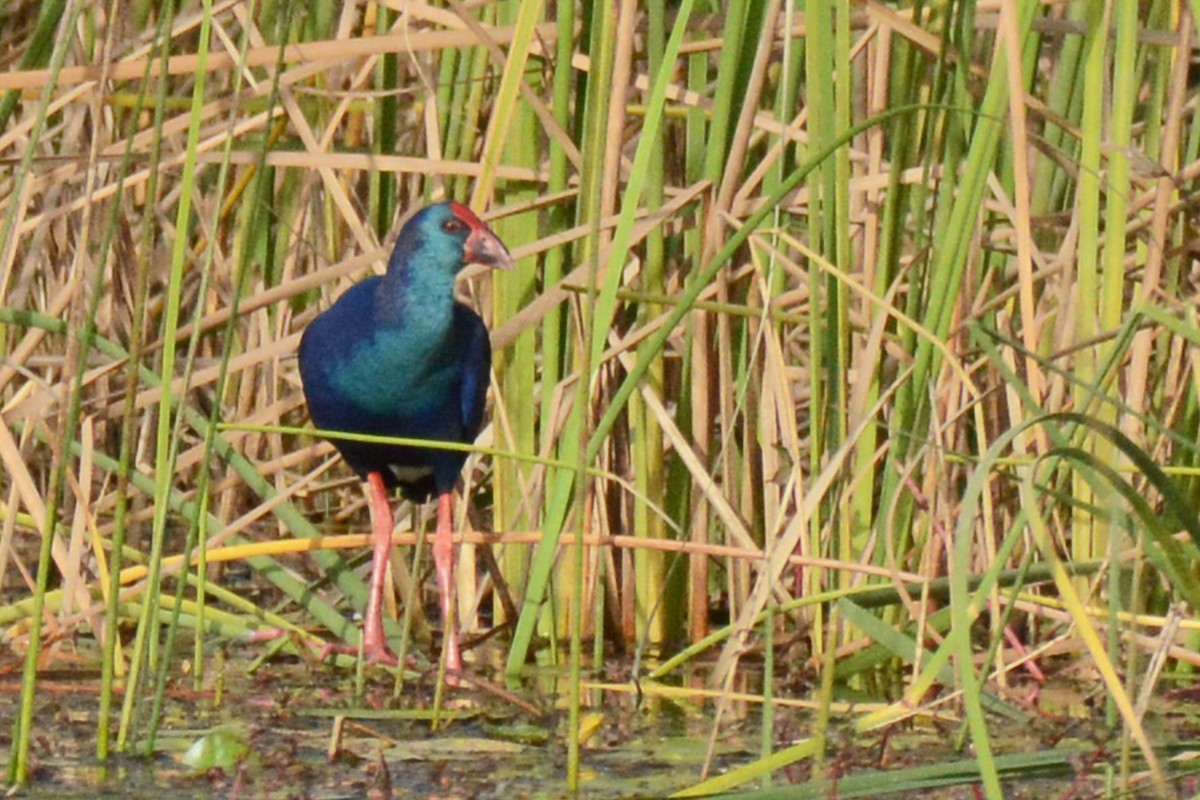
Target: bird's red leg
x,y
443,562
374,644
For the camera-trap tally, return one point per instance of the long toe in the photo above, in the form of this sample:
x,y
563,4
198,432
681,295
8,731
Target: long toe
x,y
380,654
377,654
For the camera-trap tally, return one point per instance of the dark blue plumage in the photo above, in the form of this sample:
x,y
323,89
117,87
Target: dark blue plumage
x,y
397,355
390,379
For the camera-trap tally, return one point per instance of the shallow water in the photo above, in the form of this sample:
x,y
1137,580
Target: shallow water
x,y
295,730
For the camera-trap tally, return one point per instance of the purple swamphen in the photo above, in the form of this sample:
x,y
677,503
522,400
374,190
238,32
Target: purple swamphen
x,y
399,356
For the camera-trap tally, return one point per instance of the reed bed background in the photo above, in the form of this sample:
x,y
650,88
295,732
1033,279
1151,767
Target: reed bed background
x,y
861,333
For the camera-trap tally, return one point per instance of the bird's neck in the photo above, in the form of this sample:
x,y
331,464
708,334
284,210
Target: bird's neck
x,y
419,304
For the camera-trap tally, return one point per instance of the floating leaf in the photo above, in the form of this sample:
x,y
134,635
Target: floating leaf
x,y
223,748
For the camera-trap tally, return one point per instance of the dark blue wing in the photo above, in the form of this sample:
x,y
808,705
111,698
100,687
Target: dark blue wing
x,y
475,350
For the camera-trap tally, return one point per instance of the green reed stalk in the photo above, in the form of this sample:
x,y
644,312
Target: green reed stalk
x,y
1088,537
465,96
39,49
821,183
904,209
128,437
1126,83
646,437
197,524
473,70
648,586
555,329
18,765
145,644
705,380
573,489
386,121
516,366
850,543
825,311
679,481
1062,98
109,638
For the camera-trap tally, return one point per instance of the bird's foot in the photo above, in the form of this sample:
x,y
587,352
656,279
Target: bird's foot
x,y
453,661
304,643
382,654
453,677
372,652
377,653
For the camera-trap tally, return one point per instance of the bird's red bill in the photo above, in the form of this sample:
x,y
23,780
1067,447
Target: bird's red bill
x,y
482,246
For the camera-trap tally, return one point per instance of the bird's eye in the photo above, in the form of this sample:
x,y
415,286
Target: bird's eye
x,y
453,226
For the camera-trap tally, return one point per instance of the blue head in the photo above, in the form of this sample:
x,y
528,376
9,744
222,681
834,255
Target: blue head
x,y
443,238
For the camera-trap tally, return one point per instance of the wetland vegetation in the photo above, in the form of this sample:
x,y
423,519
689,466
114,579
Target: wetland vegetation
x,y
842,428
